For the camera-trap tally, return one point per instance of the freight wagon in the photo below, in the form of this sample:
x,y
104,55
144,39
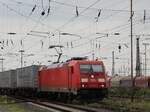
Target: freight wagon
x,y
27,80
8,81
142,82
27,77
115,81
126,82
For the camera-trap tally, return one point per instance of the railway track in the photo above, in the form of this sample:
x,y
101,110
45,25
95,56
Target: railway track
x,y
54,106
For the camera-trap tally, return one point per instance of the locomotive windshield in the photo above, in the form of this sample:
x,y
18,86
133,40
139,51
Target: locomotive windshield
x,y
89,68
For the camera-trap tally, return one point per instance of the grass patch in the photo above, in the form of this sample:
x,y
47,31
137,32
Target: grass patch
x,y
122,105
5,100
9,105
127,92
15,108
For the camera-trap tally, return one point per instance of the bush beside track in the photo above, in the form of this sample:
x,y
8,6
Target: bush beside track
x,y
119,100
127,92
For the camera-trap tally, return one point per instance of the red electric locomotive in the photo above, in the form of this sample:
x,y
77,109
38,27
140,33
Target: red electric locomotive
x,y
76,77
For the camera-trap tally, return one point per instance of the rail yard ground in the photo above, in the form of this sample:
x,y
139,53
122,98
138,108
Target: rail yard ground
x,y
113,103
9,105
119,100
122,105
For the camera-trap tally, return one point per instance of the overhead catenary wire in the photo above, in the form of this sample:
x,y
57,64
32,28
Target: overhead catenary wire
x,y
49,8
73,18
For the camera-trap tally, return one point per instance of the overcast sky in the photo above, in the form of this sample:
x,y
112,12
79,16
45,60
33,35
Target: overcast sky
x,y
91,33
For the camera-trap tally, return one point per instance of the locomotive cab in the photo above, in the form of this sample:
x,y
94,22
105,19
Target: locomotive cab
x,y
90,76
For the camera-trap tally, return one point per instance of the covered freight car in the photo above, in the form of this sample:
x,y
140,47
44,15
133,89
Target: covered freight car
x,y
115,81
126,82
27,80
142,82
7,81
22,81
27,77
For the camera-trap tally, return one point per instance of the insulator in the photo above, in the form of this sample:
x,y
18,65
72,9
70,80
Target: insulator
x,y
43,13
33,8
119,47
71,44
99,46
67,45
77,12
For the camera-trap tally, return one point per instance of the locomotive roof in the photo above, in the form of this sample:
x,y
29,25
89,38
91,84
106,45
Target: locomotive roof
x,y
55,65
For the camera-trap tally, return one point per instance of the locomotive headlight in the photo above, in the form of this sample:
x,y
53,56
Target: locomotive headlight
x,y
84,80
102,86
101,80
92,76
83,85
